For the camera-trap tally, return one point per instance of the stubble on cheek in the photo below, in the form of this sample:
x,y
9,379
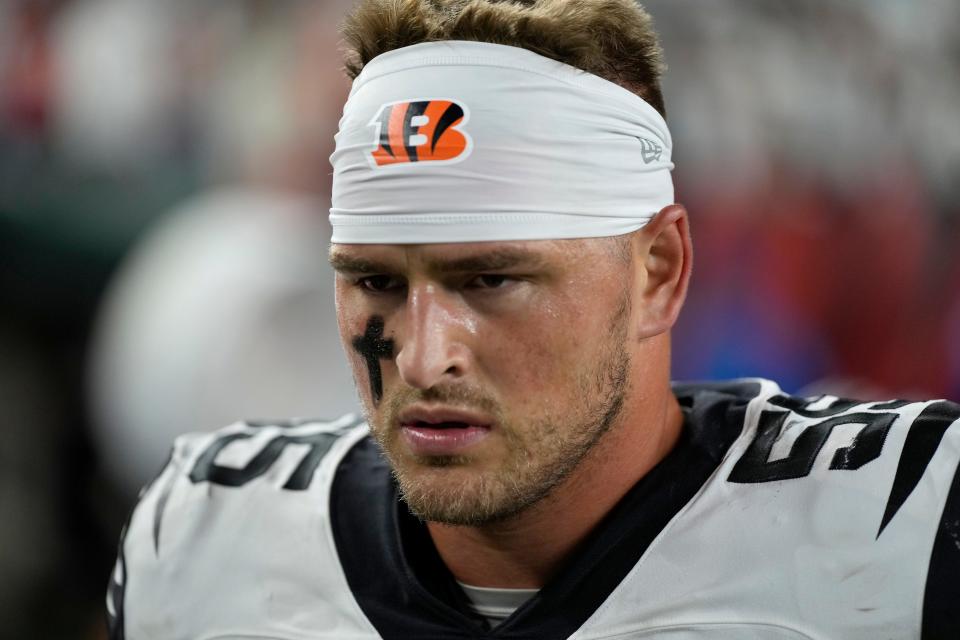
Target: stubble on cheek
x,y
385,422
454,489
528,459
538,443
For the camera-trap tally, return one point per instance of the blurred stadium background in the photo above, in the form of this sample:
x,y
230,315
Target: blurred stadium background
x,y
163,187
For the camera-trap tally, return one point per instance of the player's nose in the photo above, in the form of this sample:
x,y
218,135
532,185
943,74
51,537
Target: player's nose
x,y
431,347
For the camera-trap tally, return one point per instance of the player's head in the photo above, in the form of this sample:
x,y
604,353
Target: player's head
x,y
509,261
613,39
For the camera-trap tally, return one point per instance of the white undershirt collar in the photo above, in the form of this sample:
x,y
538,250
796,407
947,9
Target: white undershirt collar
x,y
496,605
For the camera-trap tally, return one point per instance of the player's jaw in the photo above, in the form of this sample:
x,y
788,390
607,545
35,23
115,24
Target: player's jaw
x,y
485,464
449,448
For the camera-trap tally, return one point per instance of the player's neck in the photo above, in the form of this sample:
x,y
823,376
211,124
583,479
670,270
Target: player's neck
x,y
526,550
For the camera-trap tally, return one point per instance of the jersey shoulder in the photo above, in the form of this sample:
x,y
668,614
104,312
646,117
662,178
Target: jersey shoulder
x,y
877,481
786,437
845,511
792,438
234,537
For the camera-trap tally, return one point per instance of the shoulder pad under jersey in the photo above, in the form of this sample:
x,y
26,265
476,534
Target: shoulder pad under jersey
x,y
233,539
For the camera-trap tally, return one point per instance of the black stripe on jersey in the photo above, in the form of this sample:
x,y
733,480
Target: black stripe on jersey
x,y
889,406
161,506
405,590
922,441
941,613
799,406
296,423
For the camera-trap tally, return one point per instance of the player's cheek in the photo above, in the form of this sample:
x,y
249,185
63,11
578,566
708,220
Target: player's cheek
x,y
537,362
350,324
342,305
352,311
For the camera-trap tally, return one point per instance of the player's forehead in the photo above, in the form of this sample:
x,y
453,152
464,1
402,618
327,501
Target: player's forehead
x,y
458,256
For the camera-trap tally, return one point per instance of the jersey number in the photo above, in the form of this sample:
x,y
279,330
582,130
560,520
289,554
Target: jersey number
x,y
207,470
921,443
756,466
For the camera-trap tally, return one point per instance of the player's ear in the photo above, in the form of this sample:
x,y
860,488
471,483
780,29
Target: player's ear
x,y
663,256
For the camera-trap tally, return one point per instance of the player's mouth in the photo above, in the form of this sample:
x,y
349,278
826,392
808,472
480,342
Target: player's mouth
x,y
439,431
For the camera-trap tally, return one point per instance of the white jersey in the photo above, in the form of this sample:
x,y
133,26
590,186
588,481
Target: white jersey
x,y
774,518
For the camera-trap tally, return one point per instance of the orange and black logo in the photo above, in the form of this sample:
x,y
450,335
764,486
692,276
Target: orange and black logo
x,y
420,131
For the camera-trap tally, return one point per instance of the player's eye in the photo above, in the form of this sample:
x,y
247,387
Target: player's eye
x,y
489,281
379,283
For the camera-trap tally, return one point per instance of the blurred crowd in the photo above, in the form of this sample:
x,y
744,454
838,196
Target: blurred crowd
x,y
818,147
163,191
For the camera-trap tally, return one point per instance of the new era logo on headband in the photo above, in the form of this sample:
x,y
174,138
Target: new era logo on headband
x,y
649,150
420,131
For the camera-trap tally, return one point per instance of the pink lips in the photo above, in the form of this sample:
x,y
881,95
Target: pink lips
x,y
437,431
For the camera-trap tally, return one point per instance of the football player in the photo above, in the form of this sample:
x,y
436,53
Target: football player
x,y
510,263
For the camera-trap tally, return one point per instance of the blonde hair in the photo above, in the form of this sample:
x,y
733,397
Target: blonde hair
x,y
613,39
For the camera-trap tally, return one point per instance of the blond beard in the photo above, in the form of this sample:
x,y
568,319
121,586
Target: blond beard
x,y
544,451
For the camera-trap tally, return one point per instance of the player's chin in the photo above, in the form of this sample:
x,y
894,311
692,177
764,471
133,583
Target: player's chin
x,y
463,466
454,494
438,474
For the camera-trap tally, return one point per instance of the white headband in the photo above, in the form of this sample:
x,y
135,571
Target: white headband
x,y
470,141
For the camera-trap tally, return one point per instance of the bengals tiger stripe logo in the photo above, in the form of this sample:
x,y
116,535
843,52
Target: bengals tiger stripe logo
x,y
420,131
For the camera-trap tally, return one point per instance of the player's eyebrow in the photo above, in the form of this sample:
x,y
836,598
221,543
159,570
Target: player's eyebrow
x,y
354,264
